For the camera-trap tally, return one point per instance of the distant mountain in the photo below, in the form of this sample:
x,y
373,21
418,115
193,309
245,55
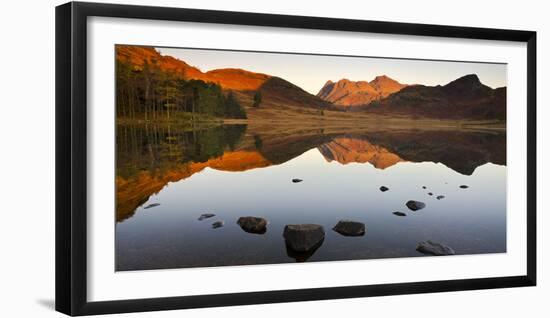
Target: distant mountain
x,y
229,78
274,89
281,92
465,97
346,93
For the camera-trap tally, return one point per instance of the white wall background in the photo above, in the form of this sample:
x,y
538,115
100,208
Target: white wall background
x,y
27,158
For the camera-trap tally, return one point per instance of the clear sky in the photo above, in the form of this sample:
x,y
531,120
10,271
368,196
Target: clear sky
x,y
311,72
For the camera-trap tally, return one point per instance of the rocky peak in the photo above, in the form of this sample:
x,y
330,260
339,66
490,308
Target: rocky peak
x,y
356,93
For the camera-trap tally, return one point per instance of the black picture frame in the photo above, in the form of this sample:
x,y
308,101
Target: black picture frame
x,y
71,157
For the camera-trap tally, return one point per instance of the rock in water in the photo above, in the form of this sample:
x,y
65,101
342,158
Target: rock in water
x,y
253,224
423,187
217,224
152,205
350,228
434,248
439,197
303,237
301,257
297,180
399,213
429,193
384,189
415,205
463,186
206,216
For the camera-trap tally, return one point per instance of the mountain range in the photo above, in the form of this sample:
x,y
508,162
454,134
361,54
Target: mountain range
x,y
346,93
274,90
463,98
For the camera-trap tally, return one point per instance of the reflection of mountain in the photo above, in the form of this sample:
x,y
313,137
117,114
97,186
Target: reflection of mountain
x,y
347,150
350,93
459,150
150,157
136,190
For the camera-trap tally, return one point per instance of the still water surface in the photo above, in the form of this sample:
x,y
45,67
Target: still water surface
x,y
233,171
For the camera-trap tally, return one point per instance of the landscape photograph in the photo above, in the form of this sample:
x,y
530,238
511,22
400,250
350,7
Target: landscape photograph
x,y
228,158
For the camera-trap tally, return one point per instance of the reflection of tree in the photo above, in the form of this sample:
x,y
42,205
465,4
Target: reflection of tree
x,y
149,156
258,143
158,148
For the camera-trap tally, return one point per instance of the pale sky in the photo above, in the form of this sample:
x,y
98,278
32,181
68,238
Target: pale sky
x,y
311,72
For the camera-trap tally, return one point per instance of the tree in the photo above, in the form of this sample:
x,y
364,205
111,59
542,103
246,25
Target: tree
x,y
150,92
257,99
232,107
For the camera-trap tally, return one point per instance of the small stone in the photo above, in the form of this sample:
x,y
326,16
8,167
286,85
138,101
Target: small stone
x,y
415,205
206,216
464,186
350,228
399,213
384,189
434,248
297,180
439,197
217,224
152,205
251,224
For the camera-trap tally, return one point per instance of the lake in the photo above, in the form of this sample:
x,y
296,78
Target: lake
x,y
168,176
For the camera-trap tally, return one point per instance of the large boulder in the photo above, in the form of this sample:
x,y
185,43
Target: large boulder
x,y
350,228
253,224
415,205
434,248
303,237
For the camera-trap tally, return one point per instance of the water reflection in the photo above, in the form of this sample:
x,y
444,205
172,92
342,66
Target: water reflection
x,y
193,171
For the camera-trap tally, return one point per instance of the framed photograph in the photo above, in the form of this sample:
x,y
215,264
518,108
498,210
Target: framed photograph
x,y
208,158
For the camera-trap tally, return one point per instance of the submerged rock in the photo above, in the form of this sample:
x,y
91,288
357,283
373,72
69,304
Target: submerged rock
x,y
253,224
297,180
350,228
434,248
415,205
206,216
384,189
399,213
439,197
464,186
218,224
303,237
152,205
301,257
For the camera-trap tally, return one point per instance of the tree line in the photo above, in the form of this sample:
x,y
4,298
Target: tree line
x,y
148,92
